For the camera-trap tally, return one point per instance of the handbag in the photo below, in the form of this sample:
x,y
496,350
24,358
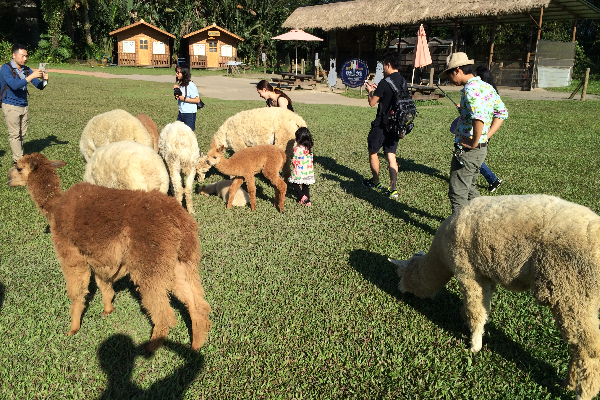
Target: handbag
x,y
200,104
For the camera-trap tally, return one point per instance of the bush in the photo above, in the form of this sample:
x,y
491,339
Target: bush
x,y
5,51
45,52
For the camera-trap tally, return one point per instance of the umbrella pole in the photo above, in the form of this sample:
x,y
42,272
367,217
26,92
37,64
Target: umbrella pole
x,y
413,77
296,60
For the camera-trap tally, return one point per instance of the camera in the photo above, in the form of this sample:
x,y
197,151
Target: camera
x,y
177,92
458,153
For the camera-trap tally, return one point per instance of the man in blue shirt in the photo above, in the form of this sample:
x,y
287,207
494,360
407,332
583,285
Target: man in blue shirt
x,y
14,78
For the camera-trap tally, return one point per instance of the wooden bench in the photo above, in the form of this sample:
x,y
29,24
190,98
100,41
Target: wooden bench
x,y
420,92
283,83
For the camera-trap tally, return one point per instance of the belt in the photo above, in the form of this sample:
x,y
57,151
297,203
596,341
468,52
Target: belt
x,y
479,146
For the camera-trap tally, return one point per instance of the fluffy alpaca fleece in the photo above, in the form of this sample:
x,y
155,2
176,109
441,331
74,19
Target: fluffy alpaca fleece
x,y
270,125
127,165
248,162
151,127
112,126
178,146
221,189
532,242
113,233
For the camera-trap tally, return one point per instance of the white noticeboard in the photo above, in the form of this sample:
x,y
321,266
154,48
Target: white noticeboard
x,y
199,49
264,57
128,46
316,57
226,50
158,48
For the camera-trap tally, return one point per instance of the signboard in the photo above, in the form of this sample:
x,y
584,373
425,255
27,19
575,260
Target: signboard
x,y
158,48
199,49
354,72
128,46
316,57
226,50
264,57
214,33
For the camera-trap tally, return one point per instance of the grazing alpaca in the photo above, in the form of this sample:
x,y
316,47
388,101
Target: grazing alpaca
x,y
221,189
248,162
151,127
532,242
116,232
178,146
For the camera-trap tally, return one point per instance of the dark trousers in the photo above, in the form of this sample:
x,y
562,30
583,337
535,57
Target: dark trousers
x,y
301,191
188,118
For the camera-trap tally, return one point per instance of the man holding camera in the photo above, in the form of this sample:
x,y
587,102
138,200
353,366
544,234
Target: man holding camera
x,y
14,77
378,135
481,114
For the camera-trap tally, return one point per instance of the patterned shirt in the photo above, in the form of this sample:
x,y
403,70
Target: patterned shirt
x,y
302,166
479,101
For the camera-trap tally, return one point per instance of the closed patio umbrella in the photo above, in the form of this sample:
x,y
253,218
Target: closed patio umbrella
x,y
297,34
421,56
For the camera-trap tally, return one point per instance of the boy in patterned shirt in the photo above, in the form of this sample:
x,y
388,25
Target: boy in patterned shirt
x,y
481,114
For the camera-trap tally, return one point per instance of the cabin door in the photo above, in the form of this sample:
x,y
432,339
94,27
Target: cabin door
x,y
212,58
144,52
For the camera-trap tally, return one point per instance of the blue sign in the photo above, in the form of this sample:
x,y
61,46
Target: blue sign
x,y
354,73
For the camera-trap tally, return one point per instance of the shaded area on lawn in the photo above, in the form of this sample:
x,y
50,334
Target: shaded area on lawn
x,y
2,290
117,357
38,145
444,311
355,187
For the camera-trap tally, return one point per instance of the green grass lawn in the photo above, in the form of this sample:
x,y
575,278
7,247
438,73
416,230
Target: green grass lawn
x,y
305,303
593,88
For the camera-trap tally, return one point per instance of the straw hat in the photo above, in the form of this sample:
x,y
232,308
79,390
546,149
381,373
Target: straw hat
x,y
455,60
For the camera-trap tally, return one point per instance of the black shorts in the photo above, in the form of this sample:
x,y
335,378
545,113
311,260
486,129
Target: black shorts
x,y
379,138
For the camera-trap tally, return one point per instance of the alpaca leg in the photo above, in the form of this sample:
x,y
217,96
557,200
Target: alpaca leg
x,y
272,174
251,186
156,301
108,293
235,185
189,182
477,296
175,175
78,279
188,289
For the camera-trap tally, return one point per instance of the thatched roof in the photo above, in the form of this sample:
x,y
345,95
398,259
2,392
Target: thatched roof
x,y
405,13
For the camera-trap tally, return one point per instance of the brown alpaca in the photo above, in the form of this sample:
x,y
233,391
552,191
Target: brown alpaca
x,y
248,162
114,232
151,127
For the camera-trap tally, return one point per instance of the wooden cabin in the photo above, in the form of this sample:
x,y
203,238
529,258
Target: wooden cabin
x,y
142,44
212,47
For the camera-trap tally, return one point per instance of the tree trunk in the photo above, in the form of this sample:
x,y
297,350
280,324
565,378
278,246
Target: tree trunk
x,y
87,25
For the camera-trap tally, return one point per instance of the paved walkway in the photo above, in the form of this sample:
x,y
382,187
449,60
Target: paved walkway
x,y
238,88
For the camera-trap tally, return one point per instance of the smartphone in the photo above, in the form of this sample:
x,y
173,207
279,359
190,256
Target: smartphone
x,y
42,67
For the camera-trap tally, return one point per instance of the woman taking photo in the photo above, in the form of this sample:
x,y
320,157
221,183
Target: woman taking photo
x,y
187,96
274,96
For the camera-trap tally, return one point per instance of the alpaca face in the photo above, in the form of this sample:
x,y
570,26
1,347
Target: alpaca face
x,y
404,265
215,155
202,167
19,174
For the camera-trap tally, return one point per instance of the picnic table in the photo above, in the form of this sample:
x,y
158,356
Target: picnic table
x,y
422,92
233,67
292,80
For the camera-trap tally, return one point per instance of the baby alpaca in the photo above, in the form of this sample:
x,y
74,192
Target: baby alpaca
x,y
532,242
127,165
178,146
113,233
109,127
221,188
248,162
151,127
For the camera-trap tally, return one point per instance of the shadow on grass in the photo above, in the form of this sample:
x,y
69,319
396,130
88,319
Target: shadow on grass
x,y
117,357
40,144
408,165
2,290
444,311
2,153
355,187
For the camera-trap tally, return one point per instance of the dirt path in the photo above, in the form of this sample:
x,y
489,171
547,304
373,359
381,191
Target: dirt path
x,y
228,88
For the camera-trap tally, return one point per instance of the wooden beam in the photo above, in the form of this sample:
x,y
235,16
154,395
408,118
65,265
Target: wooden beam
x,y
493,41
574,30
539,35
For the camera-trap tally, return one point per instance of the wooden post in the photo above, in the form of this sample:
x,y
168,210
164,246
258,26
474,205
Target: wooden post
x,y
539,35
499,81
493,40
264,67
585,83
431,83
455,39
574,30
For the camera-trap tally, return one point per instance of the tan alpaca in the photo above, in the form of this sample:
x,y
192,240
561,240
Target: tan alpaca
x,y
248,162
151,127
114,233
530,242
221,189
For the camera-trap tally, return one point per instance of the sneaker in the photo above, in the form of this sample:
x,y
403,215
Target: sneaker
x,y
370,183
303,200
390,193
492,188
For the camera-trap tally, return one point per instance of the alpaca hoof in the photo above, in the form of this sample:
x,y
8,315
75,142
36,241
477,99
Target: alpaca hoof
x,y
105,313
72,332
154,345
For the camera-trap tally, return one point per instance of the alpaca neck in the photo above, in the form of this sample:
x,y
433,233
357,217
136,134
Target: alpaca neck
x,y
225,166
45,191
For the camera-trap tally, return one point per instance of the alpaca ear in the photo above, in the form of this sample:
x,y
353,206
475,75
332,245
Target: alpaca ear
x,y
401,263
221,149
33,165
57,164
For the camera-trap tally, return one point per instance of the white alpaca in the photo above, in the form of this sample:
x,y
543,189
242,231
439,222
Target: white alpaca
x,y
127,165
109,127
532,242
221,188
178,146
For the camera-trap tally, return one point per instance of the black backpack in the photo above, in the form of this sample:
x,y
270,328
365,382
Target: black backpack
x,y
399,119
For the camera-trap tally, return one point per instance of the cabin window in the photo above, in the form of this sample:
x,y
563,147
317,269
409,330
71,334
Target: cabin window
x,y
143,44
212,47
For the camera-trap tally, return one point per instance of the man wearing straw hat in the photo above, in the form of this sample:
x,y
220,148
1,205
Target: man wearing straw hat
x,y
481,114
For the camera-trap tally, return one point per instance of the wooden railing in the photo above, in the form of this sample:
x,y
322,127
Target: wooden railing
x,y
160,60
127,59
198,61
